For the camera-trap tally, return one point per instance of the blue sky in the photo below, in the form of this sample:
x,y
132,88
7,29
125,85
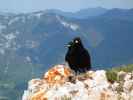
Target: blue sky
x,y
65,5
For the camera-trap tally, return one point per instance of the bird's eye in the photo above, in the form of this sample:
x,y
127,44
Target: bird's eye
x,y
76,41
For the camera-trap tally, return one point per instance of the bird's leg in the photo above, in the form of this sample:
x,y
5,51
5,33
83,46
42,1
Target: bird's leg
x,y
81,70
87,69
76,72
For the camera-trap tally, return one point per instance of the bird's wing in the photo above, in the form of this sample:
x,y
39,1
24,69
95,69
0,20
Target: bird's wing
x,y
87,56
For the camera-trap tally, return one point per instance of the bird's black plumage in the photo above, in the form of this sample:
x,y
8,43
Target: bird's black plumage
x,y
77,56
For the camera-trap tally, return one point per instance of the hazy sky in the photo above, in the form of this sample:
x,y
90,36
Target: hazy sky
x,y
65,5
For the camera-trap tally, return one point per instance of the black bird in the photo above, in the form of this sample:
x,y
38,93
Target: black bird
x,y
77,56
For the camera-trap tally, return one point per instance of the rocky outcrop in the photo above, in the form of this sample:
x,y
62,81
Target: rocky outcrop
x,y
59,83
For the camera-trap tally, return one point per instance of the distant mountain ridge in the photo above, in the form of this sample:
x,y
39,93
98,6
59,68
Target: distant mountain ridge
x,y
40,27
30,43
81,14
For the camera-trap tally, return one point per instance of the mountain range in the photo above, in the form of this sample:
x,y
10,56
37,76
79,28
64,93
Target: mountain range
x,y
32,42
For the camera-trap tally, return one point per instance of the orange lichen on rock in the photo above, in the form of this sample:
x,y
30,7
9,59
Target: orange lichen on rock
x,y
39,96
57,75
104,96
59,83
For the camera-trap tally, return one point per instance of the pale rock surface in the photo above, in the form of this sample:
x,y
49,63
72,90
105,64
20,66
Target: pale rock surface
x,y
93,85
